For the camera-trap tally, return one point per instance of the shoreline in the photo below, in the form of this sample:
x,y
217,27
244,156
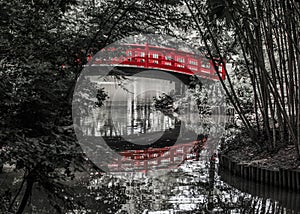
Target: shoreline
x,y
283,178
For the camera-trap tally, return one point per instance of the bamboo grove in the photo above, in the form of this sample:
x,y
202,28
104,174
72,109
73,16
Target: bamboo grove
x,y
267,33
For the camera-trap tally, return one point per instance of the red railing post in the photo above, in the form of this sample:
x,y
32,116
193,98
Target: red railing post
x,y
146,55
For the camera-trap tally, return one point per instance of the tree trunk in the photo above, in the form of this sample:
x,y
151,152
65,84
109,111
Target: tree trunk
x,y
29,185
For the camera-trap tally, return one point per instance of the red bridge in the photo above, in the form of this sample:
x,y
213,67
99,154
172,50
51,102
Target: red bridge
x,y
161,58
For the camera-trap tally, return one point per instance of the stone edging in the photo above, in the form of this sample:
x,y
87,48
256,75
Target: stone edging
x,y
289,179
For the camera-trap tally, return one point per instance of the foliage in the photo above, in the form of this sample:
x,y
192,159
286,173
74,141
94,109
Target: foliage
x,y
43,47
266,33
165,104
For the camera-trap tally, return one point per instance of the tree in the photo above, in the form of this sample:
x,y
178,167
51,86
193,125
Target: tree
x,y
44,45
267,33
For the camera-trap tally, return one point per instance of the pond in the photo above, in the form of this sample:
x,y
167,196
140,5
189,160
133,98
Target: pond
x,y
194,187
142,139
149,160
198,187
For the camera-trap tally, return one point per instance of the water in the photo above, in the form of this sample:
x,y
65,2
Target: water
x,y
195,187
181,184
192,188
158,178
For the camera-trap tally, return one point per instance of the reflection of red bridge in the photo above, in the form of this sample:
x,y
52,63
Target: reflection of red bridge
x,y
153,57
151,159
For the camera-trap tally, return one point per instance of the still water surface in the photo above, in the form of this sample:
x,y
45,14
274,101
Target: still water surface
x,y
191,187
198,187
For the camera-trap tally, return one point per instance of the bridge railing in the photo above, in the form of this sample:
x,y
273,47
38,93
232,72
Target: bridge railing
x,y
152,57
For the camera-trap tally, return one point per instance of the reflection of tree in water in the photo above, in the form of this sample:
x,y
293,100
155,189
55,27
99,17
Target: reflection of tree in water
x,y
191,189
104,194
196,191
